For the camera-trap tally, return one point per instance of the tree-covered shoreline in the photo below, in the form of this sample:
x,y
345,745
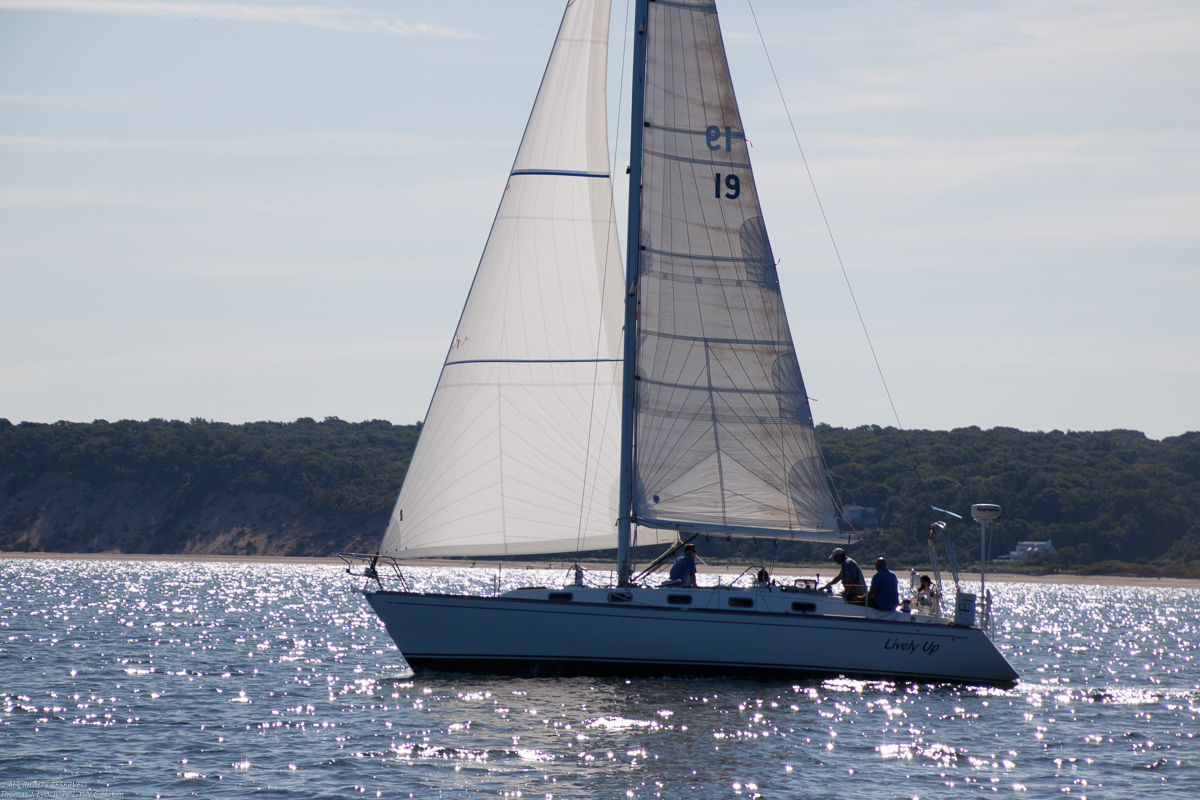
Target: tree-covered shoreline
x,y
1106,499
1099,496
352,468
344,474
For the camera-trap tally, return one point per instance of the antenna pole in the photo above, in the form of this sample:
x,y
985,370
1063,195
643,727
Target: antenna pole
x,y
982,513
632,260
982,558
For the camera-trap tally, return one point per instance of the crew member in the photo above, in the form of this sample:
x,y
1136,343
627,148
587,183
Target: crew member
x,y
927,596
683,571
854,585
885,588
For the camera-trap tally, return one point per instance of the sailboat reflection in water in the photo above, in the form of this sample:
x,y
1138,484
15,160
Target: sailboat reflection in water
x,y
580,408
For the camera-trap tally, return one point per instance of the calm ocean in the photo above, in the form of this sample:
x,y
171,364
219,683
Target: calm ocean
x,y
136,679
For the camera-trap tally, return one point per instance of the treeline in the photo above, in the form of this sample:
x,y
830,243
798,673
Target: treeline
x,y
1110,496
349,472
1099,496
1110,501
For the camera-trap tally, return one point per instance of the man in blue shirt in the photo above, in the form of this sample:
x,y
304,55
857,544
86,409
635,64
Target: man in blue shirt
x,y
885,588
684,568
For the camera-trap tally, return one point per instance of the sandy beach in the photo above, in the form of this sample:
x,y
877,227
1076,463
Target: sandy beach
x,y
826,571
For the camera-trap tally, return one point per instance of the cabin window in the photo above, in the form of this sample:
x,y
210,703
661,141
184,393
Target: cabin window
x,y
741,602
679,599
807,608
560,597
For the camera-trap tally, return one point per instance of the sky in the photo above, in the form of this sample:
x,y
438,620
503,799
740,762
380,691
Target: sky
x,y
252,210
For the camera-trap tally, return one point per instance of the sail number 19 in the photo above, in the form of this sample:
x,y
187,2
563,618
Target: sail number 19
x,y
732,182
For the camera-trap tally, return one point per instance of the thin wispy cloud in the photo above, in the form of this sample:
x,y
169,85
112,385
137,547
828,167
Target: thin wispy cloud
x,y
323,205
164,363
317,143
271,268
337,19
69,102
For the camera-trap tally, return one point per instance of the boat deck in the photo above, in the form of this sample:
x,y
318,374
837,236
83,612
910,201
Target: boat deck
x,y
767,599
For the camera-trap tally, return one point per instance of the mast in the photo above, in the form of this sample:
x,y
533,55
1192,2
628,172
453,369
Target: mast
x,y
632,259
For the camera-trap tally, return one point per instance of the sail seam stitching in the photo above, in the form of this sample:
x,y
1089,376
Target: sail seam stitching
x,y
733,133
698,256
681,337
711,8
709,161
734,389
561,172
536,361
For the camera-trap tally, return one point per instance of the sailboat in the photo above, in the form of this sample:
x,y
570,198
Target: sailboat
x,y
582,406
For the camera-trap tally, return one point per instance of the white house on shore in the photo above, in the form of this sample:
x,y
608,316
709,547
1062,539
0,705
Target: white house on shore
x,y
862,517
1024,550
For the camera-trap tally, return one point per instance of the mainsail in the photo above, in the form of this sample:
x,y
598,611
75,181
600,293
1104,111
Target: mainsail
x,y
724,434
519,452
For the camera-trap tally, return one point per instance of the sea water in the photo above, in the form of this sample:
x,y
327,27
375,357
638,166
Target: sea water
x,y
157,679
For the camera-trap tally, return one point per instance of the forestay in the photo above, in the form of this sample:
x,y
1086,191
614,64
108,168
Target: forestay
x,y
725,437
519,453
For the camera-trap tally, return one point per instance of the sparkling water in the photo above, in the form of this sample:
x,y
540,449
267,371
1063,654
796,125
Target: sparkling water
x,y
167,679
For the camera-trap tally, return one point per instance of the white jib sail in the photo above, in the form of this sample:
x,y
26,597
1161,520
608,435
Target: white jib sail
x,y
520,447
725,437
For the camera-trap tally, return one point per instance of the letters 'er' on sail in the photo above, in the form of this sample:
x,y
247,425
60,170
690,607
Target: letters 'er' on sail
x,y
725,437
520,448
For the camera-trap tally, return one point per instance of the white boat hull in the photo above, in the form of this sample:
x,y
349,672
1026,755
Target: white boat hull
x,y
764,636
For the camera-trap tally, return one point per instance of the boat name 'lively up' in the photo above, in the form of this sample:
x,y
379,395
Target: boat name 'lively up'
x,y
929,648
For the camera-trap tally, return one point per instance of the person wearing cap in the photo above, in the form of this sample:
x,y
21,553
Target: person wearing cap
x,y
927,596
854,585
683,571
885,588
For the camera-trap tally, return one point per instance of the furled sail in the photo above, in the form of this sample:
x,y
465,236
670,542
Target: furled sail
x,y
520,448
724,436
